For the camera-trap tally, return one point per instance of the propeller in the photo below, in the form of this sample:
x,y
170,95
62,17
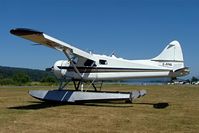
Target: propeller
x,y
49,69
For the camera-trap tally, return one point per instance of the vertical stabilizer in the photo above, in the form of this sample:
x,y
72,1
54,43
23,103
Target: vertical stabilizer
x,y
172,52
172,57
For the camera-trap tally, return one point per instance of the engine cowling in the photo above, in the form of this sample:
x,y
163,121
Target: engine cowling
x,y
60,68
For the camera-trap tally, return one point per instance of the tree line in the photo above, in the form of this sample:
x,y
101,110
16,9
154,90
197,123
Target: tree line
x,y
23,76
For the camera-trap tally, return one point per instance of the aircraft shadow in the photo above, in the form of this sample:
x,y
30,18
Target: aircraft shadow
x,y
161,105
43,105
106,104
37,105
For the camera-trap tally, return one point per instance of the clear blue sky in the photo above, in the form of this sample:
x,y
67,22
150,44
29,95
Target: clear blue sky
x,y
133,29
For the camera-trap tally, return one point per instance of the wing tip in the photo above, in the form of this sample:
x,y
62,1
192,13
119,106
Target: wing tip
x,y
24,31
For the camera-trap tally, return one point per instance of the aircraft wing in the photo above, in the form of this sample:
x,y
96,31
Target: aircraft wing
x,y
44,39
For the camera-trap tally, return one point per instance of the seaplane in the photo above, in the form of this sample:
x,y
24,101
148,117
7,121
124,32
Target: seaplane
x,y
82,67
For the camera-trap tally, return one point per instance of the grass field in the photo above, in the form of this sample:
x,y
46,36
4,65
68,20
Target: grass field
x,y
21,113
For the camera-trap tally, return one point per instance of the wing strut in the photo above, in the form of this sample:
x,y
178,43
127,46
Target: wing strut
x,y
68,54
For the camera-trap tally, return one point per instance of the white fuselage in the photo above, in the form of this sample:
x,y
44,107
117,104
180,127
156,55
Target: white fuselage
x,y
113,68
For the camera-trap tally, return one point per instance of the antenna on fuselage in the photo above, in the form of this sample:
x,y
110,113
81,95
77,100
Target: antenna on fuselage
x,y
112,53
89,51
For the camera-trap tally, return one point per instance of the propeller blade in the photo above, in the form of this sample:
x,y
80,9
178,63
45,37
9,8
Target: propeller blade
x,y
49,69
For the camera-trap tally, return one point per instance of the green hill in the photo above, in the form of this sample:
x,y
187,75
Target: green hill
x,y
13,75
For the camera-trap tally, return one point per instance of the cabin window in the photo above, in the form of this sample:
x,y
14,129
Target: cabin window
x,y
103,62
89,63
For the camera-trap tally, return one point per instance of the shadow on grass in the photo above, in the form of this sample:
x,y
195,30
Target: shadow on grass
x,y
42,105
112,105
37,105
161,105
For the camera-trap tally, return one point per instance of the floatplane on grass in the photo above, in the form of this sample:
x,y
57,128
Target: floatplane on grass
x,y
81,67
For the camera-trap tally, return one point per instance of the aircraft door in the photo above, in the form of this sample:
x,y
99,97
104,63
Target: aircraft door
x,y
90,69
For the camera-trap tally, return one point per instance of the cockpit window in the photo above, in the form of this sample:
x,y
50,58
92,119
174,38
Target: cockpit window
x,y
103,62
89,63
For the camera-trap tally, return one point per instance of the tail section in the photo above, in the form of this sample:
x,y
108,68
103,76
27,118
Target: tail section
x,y
172,52
172,57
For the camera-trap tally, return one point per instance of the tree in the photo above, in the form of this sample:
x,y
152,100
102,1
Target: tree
x,y
6,81
21,78
48,79
1,76
194,79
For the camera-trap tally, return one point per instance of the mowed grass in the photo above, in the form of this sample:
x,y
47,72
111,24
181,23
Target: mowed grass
x,y
19,112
